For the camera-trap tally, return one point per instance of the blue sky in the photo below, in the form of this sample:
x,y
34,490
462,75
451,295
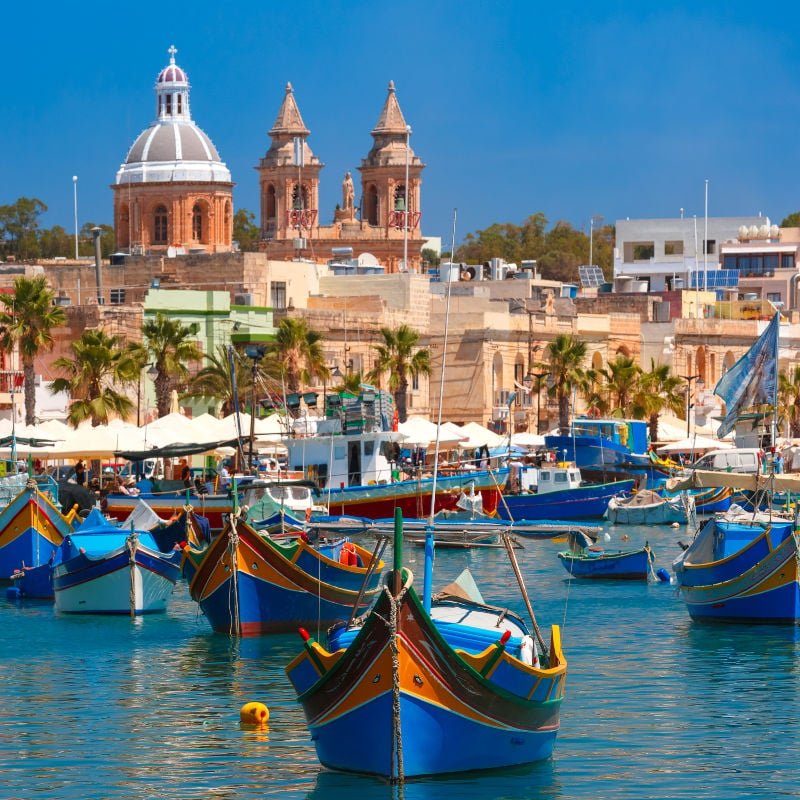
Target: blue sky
x,y
618,109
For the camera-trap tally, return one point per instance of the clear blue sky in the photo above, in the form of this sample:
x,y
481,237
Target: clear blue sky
x,y
574,109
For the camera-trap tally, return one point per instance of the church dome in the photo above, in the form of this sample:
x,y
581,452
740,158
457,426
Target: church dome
x,y
173,148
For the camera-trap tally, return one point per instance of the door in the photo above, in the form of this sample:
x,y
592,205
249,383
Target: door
x,y
354,463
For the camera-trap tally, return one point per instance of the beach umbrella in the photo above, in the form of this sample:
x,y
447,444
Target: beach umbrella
x,y
478,436
694,444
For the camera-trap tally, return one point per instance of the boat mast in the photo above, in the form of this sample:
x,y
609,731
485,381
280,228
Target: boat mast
x,y
429,542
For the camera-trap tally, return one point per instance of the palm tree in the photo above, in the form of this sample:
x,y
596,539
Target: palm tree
x,y
789,400
400,356
167,344
97,365
656,393
565,354
296,354
214,381
27,320
622,378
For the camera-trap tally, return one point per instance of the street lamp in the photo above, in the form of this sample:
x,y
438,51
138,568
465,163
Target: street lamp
x,y
256,353
75,210
689,379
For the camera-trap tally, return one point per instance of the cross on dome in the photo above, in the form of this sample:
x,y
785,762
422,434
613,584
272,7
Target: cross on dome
x,y
172,50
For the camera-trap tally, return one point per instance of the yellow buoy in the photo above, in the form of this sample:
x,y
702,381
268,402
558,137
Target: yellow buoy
x,y
254,714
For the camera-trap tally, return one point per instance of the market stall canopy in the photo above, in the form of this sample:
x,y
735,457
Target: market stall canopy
x,y
478,436
529,440
420,432
695,444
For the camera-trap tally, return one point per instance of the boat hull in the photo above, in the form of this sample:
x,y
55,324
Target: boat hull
x,y
413,497
31,528
620,513
457,712
758,583
247,584
634,565
87,585
215,508
582,502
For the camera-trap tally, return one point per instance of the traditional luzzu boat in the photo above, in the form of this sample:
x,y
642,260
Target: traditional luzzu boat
x,y
352,456
430,686
105,569
248,583
596,562
647,507
560,495
743,571
31,528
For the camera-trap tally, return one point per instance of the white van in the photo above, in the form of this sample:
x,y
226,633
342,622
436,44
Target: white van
x,y
738,459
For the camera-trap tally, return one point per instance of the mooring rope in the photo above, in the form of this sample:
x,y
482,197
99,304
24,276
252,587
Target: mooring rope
x,y
132,542
397,731
233,594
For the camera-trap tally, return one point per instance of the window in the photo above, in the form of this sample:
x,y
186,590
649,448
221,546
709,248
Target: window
x,y
180,103
160,225
197,223
643,251
117,297
729,262
787,261
710,246
674,248
169,104
773,297
415,382
278,294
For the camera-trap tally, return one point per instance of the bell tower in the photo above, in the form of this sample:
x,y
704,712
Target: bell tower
x,y
391,179
289,177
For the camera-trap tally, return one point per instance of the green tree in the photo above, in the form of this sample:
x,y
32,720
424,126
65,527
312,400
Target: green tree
x,y
792,221
214,380
19,227
55,242
657,392
245,230
86,240
27,320
565,356
98,365
789,400
295,354
430,256
621,380
401,356
169,345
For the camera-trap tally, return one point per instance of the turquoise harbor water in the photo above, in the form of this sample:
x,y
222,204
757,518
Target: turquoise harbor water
x,y
656,706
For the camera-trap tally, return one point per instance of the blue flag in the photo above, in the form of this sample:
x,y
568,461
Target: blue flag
x,y
752,380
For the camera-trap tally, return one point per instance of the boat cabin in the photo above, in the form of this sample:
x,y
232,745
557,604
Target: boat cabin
x,y
353,445
548,477
629,433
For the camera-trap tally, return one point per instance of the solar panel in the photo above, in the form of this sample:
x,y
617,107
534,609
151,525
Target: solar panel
x,y
591,275
715,279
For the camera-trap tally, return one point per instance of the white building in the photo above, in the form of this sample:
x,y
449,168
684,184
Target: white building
x,y
667,253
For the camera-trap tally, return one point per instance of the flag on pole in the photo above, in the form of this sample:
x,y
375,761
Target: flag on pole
x,y
753,379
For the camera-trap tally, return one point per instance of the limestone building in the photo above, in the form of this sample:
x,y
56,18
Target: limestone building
x,y
173,194
386,221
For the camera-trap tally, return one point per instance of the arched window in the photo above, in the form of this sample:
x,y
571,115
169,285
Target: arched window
x,y
597,361
728,361
124,226
624,350
271,204
227,233
160,232
400,198
700,362
371,205
197,222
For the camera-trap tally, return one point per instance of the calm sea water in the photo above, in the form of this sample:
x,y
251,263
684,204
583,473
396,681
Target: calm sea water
x,y
656,706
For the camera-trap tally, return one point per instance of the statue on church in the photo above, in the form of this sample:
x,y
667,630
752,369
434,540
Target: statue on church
x,y
349,193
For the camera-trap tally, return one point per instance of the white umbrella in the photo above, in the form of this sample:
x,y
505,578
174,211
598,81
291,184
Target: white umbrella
x,y
527,440
420,432
694,444
478,436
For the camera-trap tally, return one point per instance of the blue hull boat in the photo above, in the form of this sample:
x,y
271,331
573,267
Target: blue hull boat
x,y
597,563
580,502
742,572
